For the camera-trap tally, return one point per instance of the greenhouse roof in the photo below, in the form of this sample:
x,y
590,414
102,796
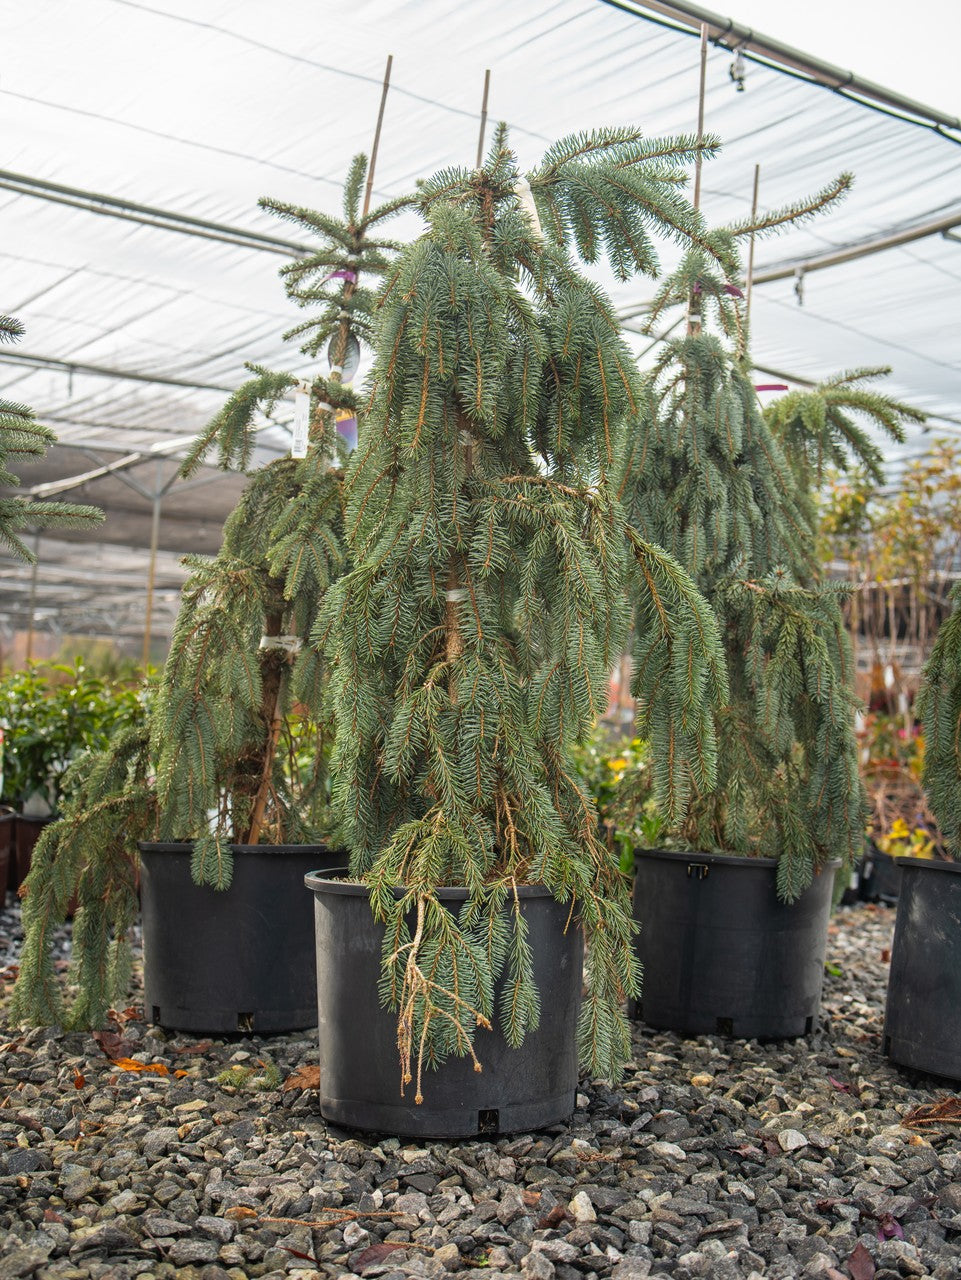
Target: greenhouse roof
x,y
132,247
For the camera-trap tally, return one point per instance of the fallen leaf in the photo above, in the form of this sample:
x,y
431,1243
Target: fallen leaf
x,y
202,1046
129,1064
303,1078
885,954
839,1084
307,1257
889,1228
861,1264
130,1014
240,1213
747,1151
552,1219
771,1145
179,1074
530,1198
51,1215
374,1253
113,1044
79,1080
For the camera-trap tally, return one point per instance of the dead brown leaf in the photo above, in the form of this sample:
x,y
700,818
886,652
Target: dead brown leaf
x,y
552,1219
375,1253
240,1213
861,1264
202,1046
153,1068
303,1078
113,1044
79,1079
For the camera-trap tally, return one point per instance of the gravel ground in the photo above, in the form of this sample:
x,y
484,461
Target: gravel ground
x,y
713,1158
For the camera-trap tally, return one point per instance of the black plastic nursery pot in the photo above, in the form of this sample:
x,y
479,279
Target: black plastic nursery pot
x,y
233,960
27,832
880,878
7,850
922,1021
721,953
525,1088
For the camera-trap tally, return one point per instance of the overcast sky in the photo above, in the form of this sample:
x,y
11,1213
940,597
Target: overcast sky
x,y
914,49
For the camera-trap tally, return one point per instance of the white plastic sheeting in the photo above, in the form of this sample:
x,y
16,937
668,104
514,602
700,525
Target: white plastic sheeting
x,y
199,109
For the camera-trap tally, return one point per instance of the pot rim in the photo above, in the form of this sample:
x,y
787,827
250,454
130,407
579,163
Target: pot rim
x,y
723,859
186,846
324,882
929,864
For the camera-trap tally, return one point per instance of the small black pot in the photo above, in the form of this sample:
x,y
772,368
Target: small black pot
x,y
721,953
524,1088
922,1022
880,877
233,960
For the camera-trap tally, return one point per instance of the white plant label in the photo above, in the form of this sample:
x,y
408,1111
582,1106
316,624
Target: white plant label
x,y
301,427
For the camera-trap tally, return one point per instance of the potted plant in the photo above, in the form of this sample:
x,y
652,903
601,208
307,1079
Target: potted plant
x,y
734,904
471,645
221,792
22,436
922,1022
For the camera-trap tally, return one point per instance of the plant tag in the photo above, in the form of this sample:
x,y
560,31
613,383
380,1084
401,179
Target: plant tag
x,y
525,198
290,644
301,426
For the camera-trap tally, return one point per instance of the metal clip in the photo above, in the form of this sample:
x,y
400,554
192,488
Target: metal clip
x,y
698,869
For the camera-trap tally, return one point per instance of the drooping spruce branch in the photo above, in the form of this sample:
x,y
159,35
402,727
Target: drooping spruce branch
x,y
472,640
939,706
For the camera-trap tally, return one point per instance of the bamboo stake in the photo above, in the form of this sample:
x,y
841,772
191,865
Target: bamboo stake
x,y
700,116
373,151
694,302
483,123
750,250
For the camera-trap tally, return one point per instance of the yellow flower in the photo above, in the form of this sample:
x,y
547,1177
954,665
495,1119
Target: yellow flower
x,y
899,830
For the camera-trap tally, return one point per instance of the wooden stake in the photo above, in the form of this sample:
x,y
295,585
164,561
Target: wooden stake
x,y
483,123
373,151
750,251
700,116
694,302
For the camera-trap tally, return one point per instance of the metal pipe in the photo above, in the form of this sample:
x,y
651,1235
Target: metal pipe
x,y
33,596
702,85
851,253
148,215
733,35
100,371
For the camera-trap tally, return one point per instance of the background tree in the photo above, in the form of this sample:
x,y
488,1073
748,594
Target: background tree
x,y
728,490
234,746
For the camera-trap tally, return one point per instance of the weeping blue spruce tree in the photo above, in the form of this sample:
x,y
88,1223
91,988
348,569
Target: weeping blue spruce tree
x,y
729,491
234,742
22,436
472,640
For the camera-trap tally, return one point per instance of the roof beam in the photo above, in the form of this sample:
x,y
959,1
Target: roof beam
x,y
24,358
149,216
734,35
851,252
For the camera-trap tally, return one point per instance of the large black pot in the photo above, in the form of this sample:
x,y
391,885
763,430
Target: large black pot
x,y
922,1022
524,1088
233,960
27,831
721,953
